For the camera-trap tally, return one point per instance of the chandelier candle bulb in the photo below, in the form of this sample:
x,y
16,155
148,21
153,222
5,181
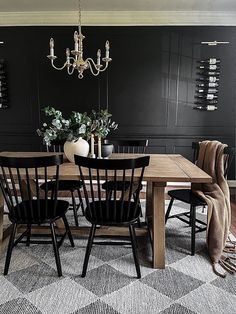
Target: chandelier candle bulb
x,y
99,57
68,55
51,45
107,46
76,41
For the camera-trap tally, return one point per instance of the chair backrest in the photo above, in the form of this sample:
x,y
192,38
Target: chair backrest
x,y
20,181
228,152
129,146
57,146
128,173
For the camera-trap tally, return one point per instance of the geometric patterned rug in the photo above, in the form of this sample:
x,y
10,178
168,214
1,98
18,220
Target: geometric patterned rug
x,y
186,286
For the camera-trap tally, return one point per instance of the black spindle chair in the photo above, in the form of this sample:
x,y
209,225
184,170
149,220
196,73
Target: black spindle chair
x,y
129,146
28,204
187,196
66,185
120,210
125,147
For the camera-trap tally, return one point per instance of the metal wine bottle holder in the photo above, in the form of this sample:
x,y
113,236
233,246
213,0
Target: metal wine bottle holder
x,y
3,85
206,97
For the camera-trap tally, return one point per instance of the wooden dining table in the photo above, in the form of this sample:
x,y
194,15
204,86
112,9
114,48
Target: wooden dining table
x,y
163,168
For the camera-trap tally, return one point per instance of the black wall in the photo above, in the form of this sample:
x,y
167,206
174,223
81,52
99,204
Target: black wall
x,y
151,83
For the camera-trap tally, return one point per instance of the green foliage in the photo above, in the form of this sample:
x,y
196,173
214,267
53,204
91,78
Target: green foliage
x,y
101,123
59,128
77,125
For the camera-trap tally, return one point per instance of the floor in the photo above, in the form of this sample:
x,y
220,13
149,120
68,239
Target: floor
x,y
186,286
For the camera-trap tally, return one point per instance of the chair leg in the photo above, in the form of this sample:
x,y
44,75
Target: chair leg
x,y
169,209
81,201
74,209
68,231
203,209
193,228
190,216
55,248
136,241
134,249
9,250
139,222
28,235
139,204
109,197
88,249
141,215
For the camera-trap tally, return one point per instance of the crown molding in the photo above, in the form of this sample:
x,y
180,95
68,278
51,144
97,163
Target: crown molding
x,y
119,18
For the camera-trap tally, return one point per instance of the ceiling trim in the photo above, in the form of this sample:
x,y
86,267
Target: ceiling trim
x,y
119,18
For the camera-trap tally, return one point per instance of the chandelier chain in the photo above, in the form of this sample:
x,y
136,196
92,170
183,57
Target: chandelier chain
x,y
79,16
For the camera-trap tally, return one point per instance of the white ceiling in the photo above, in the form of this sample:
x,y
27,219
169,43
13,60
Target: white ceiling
x,y
118,12
118,5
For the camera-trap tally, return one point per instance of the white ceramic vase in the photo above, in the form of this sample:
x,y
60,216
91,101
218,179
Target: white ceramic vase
x,y
79,147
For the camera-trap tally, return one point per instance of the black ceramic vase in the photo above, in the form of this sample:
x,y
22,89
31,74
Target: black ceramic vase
x,y
106,151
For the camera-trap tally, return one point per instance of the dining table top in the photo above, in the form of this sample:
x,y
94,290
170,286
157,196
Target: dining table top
x,y
162,167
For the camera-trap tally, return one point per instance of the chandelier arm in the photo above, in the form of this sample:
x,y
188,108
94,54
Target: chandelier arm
x,y
104,69
64,65
73,59
90,61
72,70
61,68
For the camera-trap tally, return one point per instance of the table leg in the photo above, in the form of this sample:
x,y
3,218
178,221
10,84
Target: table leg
x,y
158,228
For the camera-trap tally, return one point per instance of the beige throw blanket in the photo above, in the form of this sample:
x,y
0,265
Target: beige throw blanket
x,y
216,195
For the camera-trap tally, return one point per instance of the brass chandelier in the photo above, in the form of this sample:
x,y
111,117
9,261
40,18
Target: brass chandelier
x,y
77,62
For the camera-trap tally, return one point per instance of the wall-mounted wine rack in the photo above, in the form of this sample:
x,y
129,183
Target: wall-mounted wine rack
x,y
206,97
3,85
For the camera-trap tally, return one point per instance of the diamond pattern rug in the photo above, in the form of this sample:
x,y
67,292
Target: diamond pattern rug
x,y
186,286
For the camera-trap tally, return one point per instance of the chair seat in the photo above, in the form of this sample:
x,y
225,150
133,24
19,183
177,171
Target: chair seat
x,y
187,196
41,214
111,214
63,185
118,185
